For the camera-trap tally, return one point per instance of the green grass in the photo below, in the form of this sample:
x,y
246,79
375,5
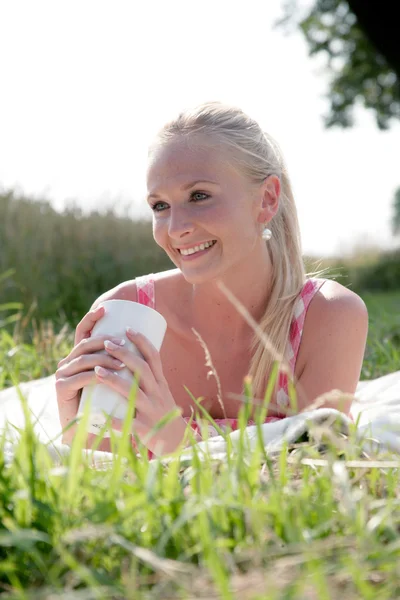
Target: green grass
x,y
382,354
311,522
305,524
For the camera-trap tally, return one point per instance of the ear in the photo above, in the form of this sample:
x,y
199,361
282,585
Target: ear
x,y
270,192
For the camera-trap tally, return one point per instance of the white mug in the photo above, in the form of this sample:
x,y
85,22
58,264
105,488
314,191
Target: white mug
x,y
119,314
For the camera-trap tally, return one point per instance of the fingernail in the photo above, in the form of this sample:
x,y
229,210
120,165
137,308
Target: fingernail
x,y
100,371
118,341
118,363
131,331
110,345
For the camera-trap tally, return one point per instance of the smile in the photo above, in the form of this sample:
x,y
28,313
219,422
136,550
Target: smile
x,y
196,249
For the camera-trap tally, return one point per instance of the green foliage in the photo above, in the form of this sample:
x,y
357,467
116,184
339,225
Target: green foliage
x,y
317,520
383,276
382,354
375,272
62,262
32,350
358,73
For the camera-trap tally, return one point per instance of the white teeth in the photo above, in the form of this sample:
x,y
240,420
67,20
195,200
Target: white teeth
x,y
196,248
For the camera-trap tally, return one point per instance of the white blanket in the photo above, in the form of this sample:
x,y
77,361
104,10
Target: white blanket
x,y
377,404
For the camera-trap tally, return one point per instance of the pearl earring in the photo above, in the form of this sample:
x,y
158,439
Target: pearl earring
x,y
266,234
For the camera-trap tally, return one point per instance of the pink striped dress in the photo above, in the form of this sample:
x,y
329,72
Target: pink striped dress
x,y
146,295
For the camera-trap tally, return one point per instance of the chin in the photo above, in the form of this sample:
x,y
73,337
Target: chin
x,y
197,277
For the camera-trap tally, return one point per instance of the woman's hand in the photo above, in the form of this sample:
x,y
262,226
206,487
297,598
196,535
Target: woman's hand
x,y
153,397
77,370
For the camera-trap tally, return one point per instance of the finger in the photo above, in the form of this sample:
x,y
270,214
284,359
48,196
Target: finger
x,y
87,362
68,387
149,352
86,324
93,344
135,364
89,346
123,387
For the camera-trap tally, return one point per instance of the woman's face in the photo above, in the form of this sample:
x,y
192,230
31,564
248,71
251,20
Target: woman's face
x,y
221,208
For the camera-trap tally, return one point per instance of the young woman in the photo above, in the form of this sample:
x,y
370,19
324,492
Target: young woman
x,y
223,211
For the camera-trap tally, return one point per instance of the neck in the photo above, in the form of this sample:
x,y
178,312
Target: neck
x,y
212,314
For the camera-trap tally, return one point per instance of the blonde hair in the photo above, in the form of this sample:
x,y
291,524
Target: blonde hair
x,y
257,156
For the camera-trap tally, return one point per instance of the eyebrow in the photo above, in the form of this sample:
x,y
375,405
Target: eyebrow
x,y
186,186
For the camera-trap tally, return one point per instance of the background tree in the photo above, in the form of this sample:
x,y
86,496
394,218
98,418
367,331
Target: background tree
x,y
360,41
396,213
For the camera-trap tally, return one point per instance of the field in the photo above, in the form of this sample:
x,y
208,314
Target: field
x,y
318,521
312,522
383,345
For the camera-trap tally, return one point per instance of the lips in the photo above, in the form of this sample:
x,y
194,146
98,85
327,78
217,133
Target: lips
x,y
196,248
180,248
196,253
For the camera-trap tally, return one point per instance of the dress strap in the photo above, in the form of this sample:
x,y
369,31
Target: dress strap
x,y
308,292
301,305
146,290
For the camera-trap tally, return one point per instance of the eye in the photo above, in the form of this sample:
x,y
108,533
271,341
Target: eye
x,y
155,208
199,193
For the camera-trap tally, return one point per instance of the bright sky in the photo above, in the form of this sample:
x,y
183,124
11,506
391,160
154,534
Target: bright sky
x,y
86,84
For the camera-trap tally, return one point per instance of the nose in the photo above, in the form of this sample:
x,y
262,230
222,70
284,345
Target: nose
x,y
179,224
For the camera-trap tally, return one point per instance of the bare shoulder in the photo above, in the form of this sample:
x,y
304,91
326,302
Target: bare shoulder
x,y
333,341
333,310
164,282
336,305
123,291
